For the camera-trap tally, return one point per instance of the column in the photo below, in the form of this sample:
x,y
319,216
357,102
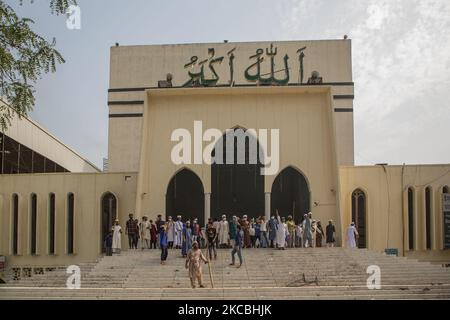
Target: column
x,y
267,205
207,207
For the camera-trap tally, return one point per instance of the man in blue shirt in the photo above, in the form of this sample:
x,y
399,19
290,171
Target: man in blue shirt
x,y
237,248
163,243
108,243
272,231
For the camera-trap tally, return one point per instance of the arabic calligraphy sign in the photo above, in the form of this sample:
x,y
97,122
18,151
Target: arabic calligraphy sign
x,y
206,74
199,77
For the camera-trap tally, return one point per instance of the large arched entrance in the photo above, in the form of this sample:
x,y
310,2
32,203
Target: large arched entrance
x,y
290,194
359,213
237,186
109,214
185,196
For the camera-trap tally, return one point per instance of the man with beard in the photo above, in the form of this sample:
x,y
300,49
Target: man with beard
x,y
195,230
131,229
272,231
291,231
307,231
211,235
223,232
216,226
170,232
193,264
187,239
178,230
245,224
281,234
233,229
159,222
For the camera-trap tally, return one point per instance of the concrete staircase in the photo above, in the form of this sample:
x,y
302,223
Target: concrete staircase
x,y
321,273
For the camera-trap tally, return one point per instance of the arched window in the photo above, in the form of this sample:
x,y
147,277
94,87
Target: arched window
x,y
359,215
70,222
109,214
411,239
33,223
185,196
290,194
428,209
445,189
51,223
15,224
237,185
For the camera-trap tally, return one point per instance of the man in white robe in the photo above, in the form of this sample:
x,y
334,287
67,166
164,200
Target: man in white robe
x,y
216,226
281,233
352,233
144,232
170,232
117,237
313,233
307,229
223,231
178,236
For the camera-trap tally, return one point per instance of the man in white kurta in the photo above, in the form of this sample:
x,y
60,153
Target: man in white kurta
x,y
144,231
281,234
223,232
352,233
178,233
216,226
170,232
313,233
117,238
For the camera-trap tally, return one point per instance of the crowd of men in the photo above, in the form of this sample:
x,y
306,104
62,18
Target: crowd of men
x,y
238,233
278,232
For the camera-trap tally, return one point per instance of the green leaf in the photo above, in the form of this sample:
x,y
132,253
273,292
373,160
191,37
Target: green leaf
x,y
24,57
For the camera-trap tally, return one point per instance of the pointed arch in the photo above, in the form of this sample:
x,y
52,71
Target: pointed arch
x,y
291,194
237,186
443,215
51,223
33,224
108,211
70,223
185,196
428,217
411,218
359,215
15,224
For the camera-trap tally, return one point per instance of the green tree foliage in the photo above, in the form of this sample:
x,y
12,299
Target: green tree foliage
x,y
24,57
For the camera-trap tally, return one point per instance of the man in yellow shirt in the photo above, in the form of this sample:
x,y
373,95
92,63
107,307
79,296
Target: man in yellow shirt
x,y
291,231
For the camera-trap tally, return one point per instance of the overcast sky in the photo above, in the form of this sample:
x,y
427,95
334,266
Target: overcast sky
x,y
401,62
